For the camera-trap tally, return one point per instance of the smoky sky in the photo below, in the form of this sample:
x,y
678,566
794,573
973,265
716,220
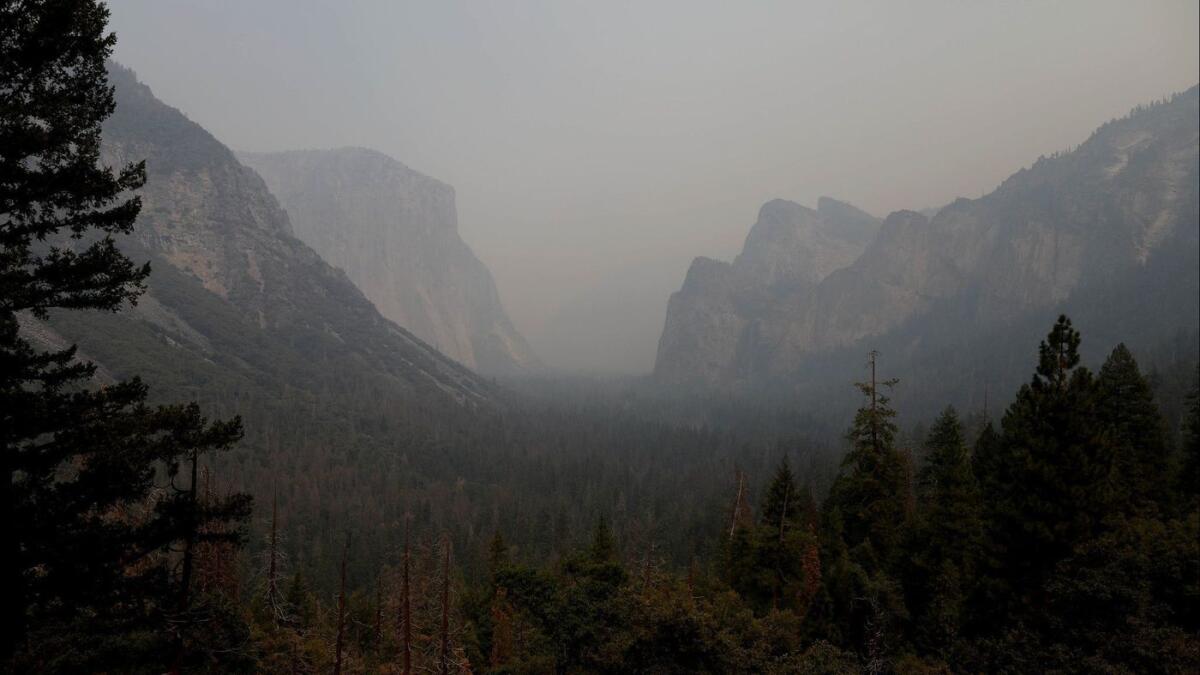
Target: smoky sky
x,y
597,147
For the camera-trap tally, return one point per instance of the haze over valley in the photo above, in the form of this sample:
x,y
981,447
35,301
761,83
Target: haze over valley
x,y
596,150
590,338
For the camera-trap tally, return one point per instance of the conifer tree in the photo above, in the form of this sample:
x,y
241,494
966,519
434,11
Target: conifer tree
x,y
1188,480
53,99
1132,435
772,564
1050,479
872,489
865,516
497,555
945,536
783,501
986,458
86,554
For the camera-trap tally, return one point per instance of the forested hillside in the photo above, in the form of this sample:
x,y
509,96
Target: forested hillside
x,y
1066,538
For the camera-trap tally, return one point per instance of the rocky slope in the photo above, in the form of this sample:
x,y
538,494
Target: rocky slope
x,y
235,301
395,233
1107,232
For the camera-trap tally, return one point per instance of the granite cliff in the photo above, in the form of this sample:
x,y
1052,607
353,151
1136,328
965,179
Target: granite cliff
x,y
1107,232
395,233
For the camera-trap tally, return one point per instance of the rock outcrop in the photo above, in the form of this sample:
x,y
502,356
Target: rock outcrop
x,y
395,233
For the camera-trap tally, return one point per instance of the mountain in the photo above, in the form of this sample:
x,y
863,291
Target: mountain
x,y
236,303
1107,233
724,311
395,233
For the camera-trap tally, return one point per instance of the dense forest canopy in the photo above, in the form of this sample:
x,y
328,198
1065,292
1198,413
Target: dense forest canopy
x,y
241,466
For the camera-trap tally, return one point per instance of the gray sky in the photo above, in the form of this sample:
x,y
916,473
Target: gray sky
x,y
597,147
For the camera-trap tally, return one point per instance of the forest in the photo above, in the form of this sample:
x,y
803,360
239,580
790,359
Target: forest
x,y
570,527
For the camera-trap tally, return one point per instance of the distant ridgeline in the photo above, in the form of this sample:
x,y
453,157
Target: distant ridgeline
x,y
1107,233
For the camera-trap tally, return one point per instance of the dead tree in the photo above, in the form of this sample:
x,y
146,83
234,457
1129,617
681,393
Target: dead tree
x,y
444,632
341,612
273,561
404,621
737,502
189,537
378,611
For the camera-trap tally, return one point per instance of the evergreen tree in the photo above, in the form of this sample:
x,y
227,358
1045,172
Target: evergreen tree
x,y
1132,434
865,517
783,500
604,546
1188,481
986,462
497,555
767,563
1049,487
52,102
872,489
87,552
945,537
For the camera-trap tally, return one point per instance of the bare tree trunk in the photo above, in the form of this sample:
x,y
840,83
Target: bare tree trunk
x,y
378,610
787,493
444,652
874,416
737,502
189,539
341,612
12,625
406,606
273,569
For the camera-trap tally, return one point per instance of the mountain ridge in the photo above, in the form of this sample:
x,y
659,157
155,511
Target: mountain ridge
x,y
233,294
1116,210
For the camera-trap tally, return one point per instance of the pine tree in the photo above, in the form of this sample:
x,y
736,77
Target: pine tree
x,y
54,98
497,555
604,546
872,489
1188,480
86,552
1132,435
945,537
783,501
986,459
1050,483
864,521
772,564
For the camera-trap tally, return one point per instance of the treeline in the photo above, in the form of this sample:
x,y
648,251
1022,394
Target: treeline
x,y
1067,539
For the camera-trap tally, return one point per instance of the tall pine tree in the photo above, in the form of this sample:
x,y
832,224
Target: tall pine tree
x,y
1132,435
945,540
87,553
865,517
1049,485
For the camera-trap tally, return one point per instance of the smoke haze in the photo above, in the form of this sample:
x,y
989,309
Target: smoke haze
x,y
596,148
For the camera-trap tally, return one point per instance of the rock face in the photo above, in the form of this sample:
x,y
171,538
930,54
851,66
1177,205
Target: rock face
x,y
395,233
235,301
717,322
1107,232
